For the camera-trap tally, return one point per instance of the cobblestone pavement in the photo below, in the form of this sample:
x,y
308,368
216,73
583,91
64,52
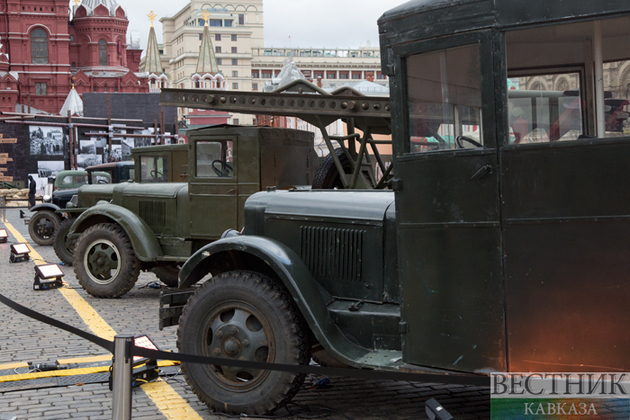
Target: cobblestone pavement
x,y
88,396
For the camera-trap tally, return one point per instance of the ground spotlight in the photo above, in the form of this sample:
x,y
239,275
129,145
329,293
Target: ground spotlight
x,y
19,252
47,276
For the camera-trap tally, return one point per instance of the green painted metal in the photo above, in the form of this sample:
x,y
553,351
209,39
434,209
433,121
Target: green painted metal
x,y
281,262
145,244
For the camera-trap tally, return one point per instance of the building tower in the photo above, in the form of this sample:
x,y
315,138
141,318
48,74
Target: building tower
x,y
99,59
152,64
207,76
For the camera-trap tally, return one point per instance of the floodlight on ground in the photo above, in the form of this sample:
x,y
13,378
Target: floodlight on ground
x,y
19,253
4,235
47,276
435,411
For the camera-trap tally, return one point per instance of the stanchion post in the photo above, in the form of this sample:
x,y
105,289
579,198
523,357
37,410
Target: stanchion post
x,y
122,374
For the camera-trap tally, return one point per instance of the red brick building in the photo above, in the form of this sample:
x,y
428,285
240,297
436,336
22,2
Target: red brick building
x,y
47,47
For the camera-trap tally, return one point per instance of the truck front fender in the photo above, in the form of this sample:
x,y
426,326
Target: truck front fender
x,y
45,206
143,240
273,258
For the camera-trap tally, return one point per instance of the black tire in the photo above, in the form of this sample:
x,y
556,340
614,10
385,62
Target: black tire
x,y
104,261
168,274
243,315
327,177
42,227
64,247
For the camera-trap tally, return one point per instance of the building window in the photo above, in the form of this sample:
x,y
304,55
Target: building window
x,y
380,76
102,52
255,74
200,36
40,89
219,61
319,74
227,23
39,46
94,89
254,86
331,75
267,74
234,86
215,22
217,37
217,50
344,75
356,75
203,22
235,121
71,38
235,61
234,37
234,73
241,20
233,50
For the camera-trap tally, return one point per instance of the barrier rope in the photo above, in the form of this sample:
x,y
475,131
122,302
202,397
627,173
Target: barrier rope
x,y
444,378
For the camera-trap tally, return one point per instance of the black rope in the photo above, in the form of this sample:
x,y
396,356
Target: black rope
x,y
444,378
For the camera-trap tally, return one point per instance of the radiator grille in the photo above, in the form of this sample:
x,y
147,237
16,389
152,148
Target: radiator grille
x,y
153,212
333,254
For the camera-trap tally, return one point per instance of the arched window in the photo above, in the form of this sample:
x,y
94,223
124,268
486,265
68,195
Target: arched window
x,y
39,46
102,52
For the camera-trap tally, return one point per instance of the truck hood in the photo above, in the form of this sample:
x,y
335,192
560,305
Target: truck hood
x,y
338,204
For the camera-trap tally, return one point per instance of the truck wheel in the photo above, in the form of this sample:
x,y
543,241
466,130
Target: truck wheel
x,y
246,316
63,246
104,261
169,275
42,227
327,177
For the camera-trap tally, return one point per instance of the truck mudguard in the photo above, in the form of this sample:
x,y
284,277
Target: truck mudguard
x,y
45,206
289,268
145,244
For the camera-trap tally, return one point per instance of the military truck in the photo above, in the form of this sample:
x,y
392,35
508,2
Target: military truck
x,y
48,216
502,247
124,228
170,161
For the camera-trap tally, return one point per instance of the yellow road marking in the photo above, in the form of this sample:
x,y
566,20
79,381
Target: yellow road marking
x,y
78,360
68,372
161,393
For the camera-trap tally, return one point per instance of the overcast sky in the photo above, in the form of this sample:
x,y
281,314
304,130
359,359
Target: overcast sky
x,y
310,23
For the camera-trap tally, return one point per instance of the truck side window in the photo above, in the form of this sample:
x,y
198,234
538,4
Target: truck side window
x,y
214,159
445,100
544,108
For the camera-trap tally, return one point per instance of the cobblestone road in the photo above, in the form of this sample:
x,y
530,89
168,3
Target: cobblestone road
x,y
26,340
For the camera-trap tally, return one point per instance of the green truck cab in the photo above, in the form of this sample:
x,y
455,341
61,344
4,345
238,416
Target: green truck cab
x,y
124,228
502,247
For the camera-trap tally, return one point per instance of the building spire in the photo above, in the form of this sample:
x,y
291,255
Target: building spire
x,y
207,61
152,62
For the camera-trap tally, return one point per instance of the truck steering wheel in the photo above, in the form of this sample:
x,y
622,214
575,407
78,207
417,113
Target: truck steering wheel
x,y
224,170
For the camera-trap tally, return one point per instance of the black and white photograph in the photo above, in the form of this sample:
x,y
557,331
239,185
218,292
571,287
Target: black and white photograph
x,y
47,141
100,141
87,147
48,168
83,161
114,156
126,145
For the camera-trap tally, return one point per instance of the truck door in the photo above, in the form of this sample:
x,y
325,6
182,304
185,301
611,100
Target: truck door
x,y
447,205
565,189
212,187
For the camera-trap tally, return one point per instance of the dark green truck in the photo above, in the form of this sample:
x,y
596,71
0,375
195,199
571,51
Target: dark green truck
x,y
502,247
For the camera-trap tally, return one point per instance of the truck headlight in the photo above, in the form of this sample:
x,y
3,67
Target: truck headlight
x,y
47,198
